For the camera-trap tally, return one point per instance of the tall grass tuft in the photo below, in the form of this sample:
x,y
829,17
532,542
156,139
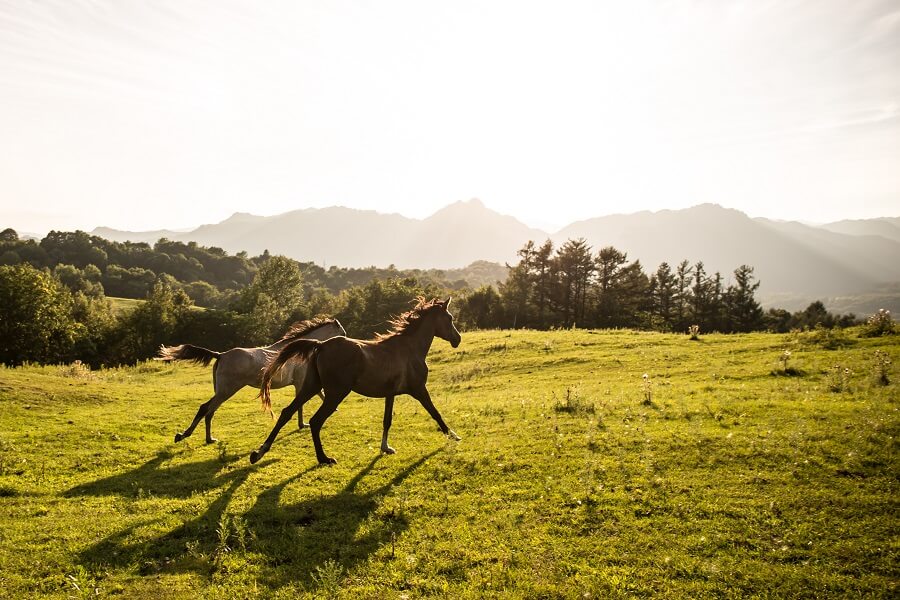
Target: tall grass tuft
x,y
839,378
882,367
573,403
328,578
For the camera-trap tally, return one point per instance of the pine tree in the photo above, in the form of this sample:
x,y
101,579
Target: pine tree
x,y
744,312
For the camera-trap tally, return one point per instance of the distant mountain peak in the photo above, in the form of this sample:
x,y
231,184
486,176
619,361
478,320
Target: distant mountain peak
x,y
241,216
470,206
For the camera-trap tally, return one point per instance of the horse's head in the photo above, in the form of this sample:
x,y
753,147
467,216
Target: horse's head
x,y
443,323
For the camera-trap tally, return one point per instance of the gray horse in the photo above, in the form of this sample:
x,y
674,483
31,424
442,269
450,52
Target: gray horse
x,y
241,367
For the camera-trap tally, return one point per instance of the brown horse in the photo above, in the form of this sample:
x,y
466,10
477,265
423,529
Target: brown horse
x,y
389,365
241,367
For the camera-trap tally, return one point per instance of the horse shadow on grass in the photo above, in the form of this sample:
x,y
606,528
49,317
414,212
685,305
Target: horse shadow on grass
x,y
292,541
154,478
187,547
345,528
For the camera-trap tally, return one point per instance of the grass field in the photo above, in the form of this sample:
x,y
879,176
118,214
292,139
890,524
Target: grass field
x,y
726,473
122,306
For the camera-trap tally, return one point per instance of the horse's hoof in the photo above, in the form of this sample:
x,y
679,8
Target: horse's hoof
x,y
302,425
255,456
211,440
179,437
452,435
388,450
327,461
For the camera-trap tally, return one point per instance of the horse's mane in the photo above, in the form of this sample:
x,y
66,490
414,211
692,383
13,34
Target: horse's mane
x,y
301,328
406,323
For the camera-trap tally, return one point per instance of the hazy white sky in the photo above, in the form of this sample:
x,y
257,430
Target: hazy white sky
x,y
141,115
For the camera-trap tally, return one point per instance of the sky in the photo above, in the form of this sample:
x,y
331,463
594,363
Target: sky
x,y
170,114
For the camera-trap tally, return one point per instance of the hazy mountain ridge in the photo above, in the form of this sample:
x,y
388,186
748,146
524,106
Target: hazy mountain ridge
x,y
886,227
788,257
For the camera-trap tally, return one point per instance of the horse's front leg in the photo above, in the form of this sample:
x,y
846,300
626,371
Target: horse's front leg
x,y
388,417
424,399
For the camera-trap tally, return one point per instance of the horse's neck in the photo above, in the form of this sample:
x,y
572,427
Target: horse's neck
x,y
421,340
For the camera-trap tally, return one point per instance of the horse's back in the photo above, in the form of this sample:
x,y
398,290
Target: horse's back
x,y
242,366
373,369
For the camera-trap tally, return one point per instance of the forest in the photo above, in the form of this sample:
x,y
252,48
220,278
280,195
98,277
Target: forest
x,y
56,307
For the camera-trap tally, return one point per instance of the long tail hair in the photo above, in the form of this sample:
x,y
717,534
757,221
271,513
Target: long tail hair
x,y
187,352
304,350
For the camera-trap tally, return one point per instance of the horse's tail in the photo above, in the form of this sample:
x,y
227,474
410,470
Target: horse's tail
x,y
187,352
304,350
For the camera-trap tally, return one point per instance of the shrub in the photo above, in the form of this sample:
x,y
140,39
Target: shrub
x,y
827,338
881,323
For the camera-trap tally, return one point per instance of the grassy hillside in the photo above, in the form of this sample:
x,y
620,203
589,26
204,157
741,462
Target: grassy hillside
x,y
723,475
122,306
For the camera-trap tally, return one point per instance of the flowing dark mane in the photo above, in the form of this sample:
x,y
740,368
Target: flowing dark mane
x,y
301,328
409,321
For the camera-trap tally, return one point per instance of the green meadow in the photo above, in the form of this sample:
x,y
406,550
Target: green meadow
x,y
731,470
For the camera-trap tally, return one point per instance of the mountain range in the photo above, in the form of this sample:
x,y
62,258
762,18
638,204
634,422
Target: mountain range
x,y
794,261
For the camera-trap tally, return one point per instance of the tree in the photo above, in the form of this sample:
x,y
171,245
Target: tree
x,y
814,314
701,298
682,294
575,269
777,320
633,303
609,265
36,321
98,320
133,282
75,248
516,290
151,324
9,235
480,309
367,310
77,280
664,296
743,311
542,279
274,299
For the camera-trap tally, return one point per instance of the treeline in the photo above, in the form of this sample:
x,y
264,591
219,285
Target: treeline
x,y
43,320
54,306
571,286
209,276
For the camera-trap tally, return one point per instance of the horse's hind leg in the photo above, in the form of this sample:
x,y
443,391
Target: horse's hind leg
x,y
201,412
214,405
206,412
329,405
